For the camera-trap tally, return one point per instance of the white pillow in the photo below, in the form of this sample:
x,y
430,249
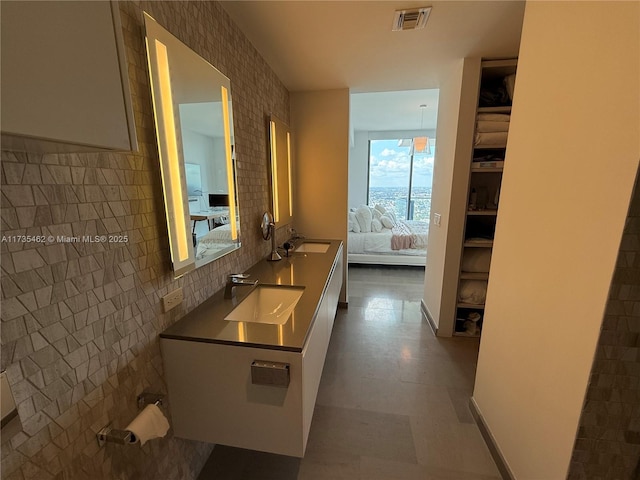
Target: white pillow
x,y
476,260
392,216
354,226
381,209
376,226
376,213
363,214
387,222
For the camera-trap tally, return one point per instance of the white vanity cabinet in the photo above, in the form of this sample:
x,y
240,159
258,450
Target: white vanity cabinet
x,y
212,397
332,295
65,86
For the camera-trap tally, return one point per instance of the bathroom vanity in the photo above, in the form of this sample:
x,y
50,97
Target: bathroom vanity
x,y
246,374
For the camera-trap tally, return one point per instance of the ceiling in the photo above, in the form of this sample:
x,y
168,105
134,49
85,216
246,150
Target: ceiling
x,y
394,110
323,45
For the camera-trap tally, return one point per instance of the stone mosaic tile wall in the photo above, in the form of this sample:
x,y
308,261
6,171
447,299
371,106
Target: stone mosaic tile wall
x,y
608,441
80,321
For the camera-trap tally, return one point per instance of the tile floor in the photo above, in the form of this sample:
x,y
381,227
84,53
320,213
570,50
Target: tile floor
x,y
393,400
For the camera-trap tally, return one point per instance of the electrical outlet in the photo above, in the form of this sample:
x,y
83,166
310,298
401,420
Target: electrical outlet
x,y
436,219
172,299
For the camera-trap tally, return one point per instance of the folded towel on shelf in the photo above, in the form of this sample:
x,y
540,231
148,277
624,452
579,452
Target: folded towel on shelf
x,y
488,126
472,291
494,117
476,259
491,138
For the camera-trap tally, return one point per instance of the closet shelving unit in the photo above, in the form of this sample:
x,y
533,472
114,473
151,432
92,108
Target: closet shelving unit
x,y
483,190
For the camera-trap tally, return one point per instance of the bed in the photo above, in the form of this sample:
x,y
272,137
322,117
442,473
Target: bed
x,y
378,238
215,241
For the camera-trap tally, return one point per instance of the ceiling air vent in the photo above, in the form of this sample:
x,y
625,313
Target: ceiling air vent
x,y
411,19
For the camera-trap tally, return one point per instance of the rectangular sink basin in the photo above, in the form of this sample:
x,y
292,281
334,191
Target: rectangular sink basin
x,y
267,304
313,247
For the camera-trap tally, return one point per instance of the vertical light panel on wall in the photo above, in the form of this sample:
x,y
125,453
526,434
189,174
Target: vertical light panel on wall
x,y
181,249
274,172
233,219
289,170
280,164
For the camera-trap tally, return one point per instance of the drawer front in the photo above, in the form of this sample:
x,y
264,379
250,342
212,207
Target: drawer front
x,y
212,398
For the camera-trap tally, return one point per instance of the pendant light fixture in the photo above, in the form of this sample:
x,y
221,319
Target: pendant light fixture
x,y
421,144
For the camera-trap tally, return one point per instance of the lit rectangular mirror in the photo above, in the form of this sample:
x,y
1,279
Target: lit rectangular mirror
x,y
194,127
280,171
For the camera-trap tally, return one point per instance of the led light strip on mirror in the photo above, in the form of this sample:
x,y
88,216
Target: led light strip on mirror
x,y
229,162
182,254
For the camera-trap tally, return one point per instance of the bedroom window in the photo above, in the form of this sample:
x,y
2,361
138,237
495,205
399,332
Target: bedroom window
x,y
400,176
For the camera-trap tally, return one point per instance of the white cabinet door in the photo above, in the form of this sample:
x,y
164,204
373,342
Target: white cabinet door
x,y
64,77
212,398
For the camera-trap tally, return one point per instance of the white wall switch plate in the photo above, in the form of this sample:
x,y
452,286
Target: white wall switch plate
x,y
172,299
436,219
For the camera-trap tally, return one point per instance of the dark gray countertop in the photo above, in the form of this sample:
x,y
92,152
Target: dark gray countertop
x,y
206,322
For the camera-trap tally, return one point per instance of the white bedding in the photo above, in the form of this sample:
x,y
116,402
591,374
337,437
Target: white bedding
x,y
214,241
380,242
217,235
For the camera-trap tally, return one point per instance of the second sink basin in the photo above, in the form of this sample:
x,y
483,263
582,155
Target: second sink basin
x,y
313,247
267,304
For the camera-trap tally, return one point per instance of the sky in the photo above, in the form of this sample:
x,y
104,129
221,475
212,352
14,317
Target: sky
x,y
389,165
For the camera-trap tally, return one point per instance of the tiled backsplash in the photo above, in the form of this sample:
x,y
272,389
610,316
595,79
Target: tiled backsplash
x,y
608,441
80,321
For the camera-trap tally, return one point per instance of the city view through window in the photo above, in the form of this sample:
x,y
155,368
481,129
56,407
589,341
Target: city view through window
x,y
400,179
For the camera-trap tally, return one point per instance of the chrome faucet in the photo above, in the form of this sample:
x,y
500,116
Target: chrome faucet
x,y
237,280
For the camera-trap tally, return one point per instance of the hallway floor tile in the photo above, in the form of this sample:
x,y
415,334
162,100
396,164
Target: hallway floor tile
x,y
393,399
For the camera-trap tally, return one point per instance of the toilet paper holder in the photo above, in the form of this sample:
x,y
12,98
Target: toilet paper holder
x,y
146,398
123,437
112,435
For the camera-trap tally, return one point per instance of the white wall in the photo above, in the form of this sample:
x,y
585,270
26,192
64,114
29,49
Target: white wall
x,y
197,150
320,137
358,169
456,116
359,159
572,158
210,155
